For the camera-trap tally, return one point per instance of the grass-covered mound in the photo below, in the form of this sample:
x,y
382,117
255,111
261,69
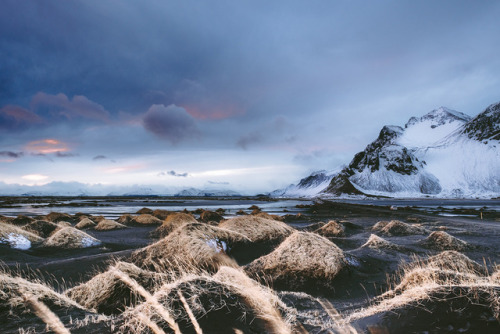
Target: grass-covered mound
x,y
147,219
397,228
58,216
434,298
210,216
107,293
85,223
16,237
108,225
70,238
172,222
440,240
331,229
34,305
455,261
195,245
228,302
258,229
376,242
42,228
303,261
21,220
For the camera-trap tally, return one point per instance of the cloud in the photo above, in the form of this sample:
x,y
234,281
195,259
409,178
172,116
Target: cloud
x,y
99,157
14,118
35,177
174,173
248,139
10,154
218,183
60,154
57,106
171,123
46,146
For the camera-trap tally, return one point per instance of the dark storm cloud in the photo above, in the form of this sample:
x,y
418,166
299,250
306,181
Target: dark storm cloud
x,y
9,154
171,123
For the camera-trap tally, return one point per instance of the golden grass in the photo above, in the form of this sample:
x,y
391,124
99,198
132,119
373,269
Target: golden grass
x,y
331,229
172,222
444,277
228,299
58,216
302,259
106,293
70,237
8,230
397,228
85,223
147,219
42,228
440,240
376,242
43,312
194,245
258,229
108,225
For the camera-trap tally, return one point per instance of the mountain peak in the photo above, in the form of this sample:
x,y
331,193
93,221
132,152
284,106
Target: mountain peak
x,y
438,117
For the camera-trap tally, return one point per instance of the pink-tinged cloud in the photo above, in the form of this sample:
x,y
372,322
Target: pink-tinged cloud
x,y
61,105
123,169
15,118
46,146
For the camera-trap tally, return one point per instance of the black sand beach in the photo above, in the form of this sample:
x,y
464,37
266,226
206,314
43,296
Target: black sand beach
x,y
376,258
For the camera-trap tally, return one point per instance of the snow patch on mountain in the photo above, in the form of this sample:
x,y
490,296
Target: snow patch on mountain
x,y
307,187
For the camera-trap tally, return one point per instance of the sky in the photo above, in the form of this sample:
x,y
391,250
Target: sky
x,y
242,95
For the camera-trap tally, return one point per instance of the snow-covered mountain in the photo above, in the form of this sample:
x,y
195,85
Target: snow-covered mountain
x,y
444,153
81,189
194,192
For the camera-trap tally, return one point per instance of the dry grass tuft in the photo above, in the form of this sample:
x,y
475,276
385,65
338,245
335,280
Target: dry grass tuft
x,y
258,229
397,228
172,222
108,225
208,216
62,224
440,240
106,293
147,219
16,236
42,228
376,242
453,260
58,216
21,302
85,223
448,284
145,210
303,260
126,219
332,229
21,220
161,214
227,301
196,245
70,237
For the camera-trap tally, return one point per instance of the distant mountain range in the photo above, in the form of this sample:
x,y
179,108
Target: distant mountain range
x,y
444,154
81,189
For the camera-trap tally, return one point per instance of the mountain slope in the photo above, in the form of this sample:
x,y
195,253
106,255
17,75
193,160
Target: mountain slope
x,y
444,153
